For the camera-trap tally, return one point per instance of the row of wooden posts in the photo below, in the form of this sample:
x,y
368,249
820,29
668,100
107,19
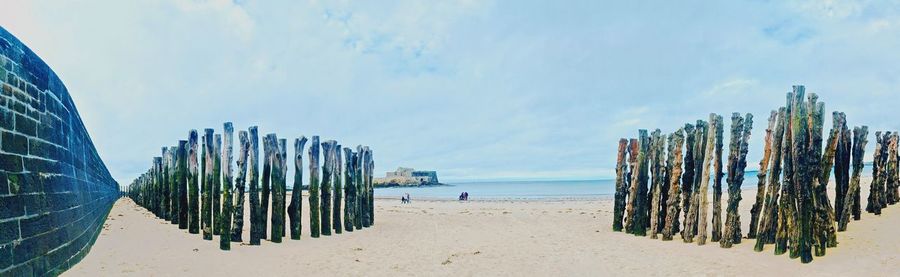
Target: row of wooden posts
x,y
169,189
657,180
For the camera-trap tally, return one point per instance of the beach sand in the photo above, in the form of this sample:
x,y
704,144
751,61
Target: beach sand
x,y
478,238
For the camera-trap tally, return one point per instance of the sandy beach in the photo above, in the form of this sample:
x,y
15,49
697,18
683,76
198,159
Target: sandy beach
x,y
477,238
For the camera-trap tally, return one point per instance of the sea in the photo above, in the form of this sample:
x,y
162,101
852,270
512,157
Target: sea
x,y
525,190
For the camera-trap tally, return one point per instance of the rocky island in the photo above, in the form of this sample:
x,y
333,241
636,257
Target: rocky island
x,y
408,177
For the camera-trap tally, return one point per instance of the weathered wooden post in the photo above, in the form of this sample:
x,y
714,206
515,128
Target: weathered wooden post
x,y
717,181
631,190
360,193
768,221
787,210
842,168
338,189
621,186
687,176
206,188
227,199
349,191
244,147
327,174
278,189
674,200
894,180
314,213
295,209
173,183
217,186
705,176
802,180
282,181
756,210
164,179
370,176
740,131
266,187
823,231
182,176
693,213
859,146
640,221
192,179
878,175
255,209
657,171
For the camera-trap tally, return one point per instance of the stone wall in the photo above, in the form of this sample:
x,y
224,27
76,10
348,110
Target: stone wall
x,y
55,191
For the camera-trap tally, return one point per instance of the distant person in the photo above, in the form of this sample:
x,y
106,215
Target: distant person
x,y
462,196
466,196
407,198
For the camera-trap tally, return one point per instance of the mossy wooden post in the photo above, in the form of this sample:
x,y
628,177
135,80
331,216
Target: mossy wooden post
x,y
768,220
278,189
227,199
217,186
740,132
327,174
349,190
282,181
802,180
370,175
858,151
357,181
842,168
266,187
295,209
243,151
829,159
756,210
893,174
192,180
173,184
314,206
205,194
656,170
817,213
621,186
164,181
640,221
182,176
338,190
253,171
687,175
693,212
674,200
873,203
705,176
717,182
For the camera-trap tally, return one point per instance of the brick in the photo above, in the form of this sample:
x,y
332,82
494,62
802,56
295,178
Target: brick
x,y
26,125
35,225
9,231
7,89
11,206
7,119
4,184
41,149
6,256
11,163
17,106
15,143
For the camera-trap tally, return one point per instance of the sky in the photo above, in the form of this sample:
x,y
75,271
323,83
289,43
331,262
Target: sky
x,y
477,90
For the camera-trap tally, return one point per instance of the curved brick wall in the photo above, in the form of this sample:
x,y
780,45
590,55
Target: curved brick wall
x,y
55,192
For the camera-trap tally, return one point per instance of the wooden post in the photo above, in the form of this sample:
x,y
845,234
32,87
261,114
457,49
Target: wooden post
x,y
640,221
278,189
206,189
370,175
704,177
827,217
266,186
253,168
217,186
878,174
360,193
282,181
787,212
802,175
295,209
314,213
768,221
687,176
181,177
756,210
349,191
674,200
690,223
244,147
842,169
227,199
327,174
717,181
173,183
859,146
657,167
631,191
894,178
193,200
164,179
621,186
740,135
338,187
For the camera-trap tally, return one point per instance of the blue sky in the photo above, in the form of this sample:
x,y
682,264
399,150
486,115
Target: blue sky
x,y
473,89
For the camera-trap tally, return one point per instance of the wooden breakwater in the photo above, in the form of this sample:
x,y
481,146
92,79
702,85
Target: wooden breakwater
x,y
662,180
195,185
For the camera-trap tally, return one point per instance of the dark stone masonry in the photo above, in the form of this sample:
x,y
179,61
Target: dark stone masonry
x,y
55,191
